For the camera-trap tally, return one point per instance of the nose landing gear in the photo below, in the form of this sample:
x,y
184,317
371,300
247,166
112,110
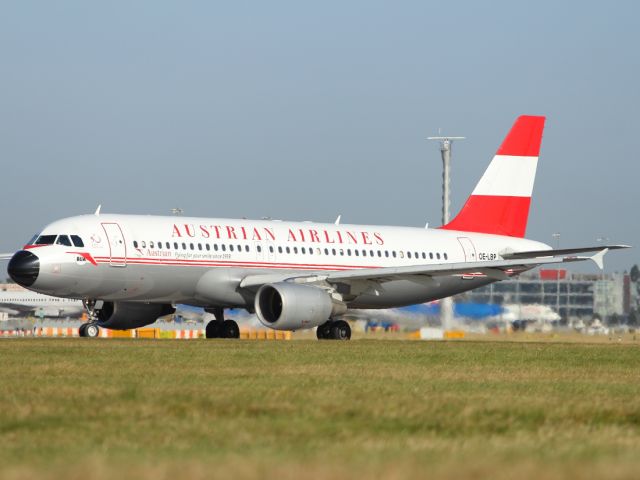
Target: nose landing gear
x,y
91,329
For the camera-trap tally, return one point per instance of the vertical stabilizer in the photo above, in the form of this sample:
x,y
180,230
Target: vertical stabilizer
x,y
500,202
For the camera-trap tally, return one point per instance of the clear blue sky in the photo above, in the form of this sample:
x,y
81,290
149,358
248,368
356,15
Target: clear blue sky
x,y
303,111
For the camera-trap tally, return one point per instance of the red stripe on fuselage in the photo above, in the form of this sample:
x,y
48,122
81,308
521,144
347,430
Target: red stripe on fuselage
x,y
230,264
87,256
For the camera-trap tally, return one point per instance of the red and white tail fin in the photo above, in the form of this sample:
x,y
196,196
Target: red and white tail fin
x,y
500,202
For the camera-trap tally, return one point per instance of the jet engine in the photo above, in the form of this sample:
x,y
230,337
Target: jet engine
x,y
126,315
289,306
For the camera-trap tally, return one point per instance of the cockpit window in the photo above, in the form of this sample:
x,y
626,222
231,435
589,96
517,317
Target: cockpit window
x,y
77,241
45,240
33,240
63,240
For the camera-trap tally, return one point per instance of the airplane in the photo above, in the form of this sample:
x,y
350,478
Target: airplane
x,y
33,303
130,270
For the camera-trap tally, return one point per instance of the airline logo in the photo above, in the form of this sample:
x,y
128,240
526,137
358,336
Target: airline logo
x,y
500,202
230,232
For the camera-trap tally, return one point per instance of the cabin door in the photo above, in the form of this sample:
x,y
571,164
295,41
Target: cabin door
x,y
468,248
117,245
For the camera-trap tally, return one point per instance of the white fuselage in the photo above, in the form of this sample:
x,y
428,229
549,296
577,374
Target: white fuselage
x,y
201,261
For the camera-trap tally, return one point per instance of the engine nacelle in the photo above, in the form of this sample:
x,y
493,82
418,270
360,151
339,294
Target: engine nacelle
x,y
127,315
289,306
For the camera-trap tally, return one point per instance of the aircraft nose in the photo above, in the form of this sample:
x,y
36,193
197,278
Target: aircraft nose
x,y
23,268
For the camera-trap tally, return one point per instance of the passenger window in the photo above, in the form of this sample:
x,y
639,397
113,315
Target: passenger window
x,y
215,247
348,251
424,255
63,240
224,248
430,255
246,248
279,249
259,248
386,253
143,244
184,246
206,245
358,253
191,246
341,252
446,257
303,250
77,241
231,248
200,246
288,250
239,248
408,254
394,254
168,245
438,256
333,251
135,244
175,245
271,249
326,251
150,244
295,249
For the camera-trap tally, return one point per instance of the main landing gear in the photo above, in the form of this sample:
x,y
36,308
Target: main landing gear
x,y
334,330
91,329
221,328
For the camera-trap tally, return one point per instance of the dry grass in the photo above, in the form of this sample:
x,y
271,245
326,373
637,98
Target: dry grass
x,y
78,408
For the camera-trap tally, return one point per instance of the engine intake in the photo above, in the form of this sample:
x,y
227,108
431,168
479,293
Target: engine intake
x,y
288,306
127,315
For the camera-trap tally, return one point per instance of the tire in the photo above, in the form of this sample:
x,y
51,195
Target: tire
x,y
230,329
340,330
323,332
212,330
82,330
91,330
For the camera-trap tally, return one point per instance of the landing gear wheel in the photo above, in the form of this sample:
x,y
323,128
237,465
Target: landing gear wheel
x,y
230,329
340,330
82,330
91,330
212,330
323,332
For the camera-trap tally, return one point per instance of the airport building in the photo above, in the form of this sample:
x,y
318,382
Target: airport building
x,y
571,295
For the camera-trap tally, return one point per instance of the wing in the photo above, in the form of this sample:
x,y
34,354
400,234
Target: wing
x,y
496,269
369,277
561,252
6,256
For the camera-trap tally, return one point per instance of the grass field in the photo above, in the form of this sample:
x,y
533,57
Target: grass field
x,y
78,408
